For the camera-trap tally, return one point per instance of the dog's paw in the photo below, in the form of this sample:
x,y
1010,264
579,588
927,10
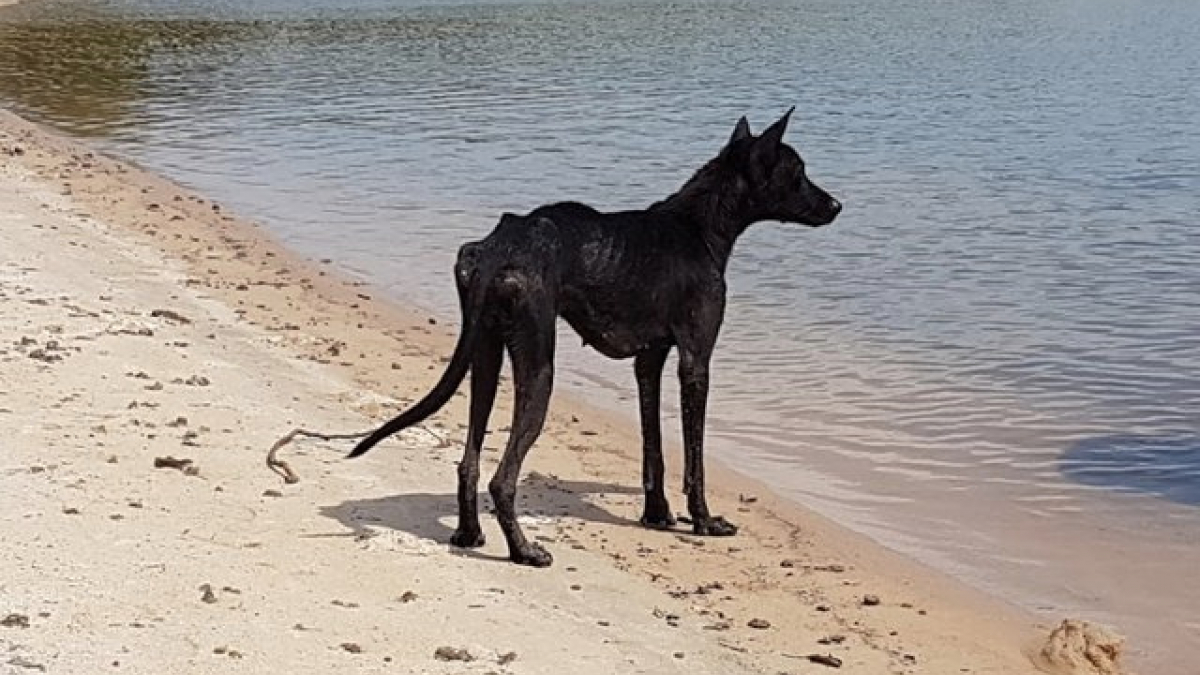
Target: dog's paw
x,y
533,555
655,521
467,539
714,526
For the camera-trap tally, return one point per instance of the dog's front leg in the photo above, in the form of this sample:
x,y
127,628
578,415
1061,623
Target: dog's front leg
x,y
693,385
648,367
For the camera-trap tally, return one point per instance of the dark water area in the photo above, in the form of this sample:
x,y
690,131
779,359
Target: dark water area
x,y
1166,467
991,361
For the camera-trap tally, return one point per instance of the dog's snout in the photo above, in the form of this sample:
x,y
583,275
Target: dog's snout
x,y
835,207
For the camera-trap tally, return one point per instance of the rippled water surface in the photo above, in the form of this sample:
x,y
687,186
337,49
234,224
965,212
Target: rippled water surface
x,y
992,360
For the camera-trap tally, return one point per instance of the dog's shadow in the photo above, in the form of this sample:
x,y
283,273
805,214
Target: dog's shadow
x,y
433,516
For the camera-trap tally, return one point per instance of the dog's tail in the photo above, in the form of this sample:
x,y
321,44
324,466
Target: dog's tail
x,y
473,301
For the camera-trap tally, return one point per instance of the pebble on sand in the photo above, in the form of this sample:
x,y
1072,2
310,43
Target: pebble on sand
x,y
452,654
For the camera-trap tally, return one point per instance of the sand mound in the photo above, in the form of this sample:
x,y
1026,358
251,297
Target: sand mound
x,y
1080,648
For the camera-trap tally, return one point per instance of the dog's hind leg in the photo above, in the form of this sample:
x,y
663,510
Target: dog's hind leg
x,y
531,348
486,360
648,367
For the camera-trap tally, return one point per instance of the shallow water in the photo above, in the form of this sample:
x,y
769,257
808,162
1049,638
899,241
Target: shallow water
x,y
991,361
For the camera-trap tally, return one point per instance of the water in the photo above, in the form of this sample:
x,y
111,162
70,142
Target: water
x,y
991,361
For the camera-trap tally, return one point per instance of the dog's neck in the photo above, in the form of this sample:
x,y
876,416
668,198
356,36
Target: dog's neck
x,y
716,201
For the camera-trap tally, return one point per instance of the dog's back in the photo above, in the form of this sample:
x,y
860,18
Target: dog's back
x,y
621,250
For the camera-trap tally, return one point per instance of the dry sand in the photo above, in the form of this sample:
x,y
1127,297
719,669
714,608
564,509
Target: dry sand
x,y
141,321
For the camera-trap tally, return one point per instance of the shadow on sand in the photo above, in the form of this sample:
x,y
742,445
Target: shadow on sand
x,y
1163,466
433,516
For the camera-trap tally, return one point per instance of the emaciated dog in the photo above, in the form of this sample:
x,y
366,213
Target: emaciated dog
x,y
631,284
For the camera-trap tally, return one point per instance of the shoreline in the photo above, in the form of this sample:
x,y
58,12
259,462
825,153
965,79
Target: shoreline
x,y
787,565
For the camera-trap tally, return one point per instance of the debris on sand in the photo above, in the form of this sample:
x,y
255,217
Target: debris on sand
x,y
44,355
352,647
21,662
187,466
170,315
671,618
206,594
759,624
281,467
826,660
452,654
1081,648
870,600
15,621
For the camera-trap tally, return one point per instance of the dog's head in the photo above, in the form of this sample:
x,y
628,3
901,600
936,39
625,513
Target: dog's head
x,y
776,185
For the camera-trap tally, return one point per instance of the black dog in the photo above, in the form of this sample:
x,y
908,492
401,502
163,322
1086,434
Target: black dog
x,y
632,283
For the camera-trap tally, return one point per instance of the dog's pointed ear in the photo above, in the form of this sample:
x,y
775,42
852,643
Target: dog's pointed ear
x,y
741,131
773,136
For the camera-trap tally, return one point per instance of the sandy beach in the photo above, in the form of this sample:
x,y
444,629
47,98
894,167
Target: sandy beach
x,y
142,324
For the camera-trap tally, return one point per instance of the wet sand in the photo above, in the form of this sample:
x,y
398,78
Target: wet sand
x,y
141,323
